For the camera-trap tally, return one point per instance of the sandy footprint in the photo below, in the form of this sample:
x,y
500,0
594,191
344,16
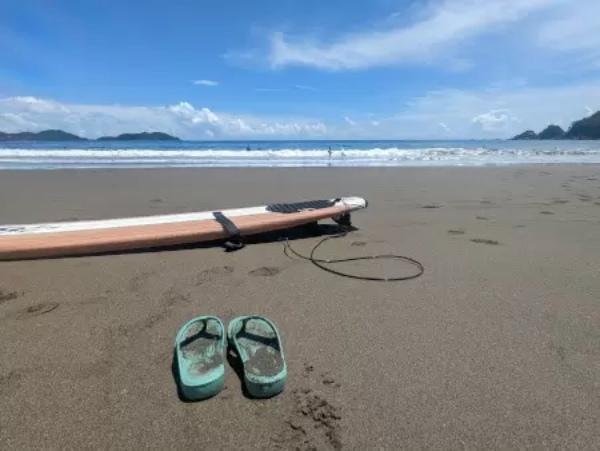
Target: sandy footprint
x,y
34,310
212,273
485,241
9,380
315,420
172,297
137,282
7,295
265,271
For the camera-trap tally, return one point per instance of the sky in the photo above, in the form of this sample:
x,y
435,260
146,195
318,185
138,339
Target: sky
x,y
289,69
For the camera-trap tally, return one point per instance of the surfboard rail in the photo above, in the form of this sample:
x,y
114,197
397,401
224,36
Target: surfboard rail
x,y
63,239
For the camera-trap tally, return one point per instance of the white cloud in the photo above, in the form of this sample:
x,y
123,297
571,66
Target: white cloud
x,y
304,88
206,82
493,120
182,119
435,34
573,27
39,105
495,112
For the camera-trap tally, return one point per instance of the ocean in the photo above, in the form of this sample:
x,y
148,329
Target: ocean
x,y
137,154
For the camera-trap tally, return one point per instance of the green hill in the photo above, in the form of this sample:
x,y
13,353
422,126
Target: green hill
x,y
59,135
588,128
145,136
46,135
551,132
529,134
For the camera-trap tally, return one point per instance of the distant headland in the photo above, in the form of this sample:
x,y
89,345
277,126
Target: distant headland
x,y
587,128
145,136
62,136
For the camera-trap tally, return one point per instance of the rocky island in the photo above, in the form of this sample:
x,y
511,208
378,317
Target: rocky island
x,y
62,136
587,128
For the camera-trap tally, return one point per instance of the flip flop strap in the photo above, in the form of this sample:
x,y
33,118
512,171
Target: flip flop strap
x,y
260,318
204,322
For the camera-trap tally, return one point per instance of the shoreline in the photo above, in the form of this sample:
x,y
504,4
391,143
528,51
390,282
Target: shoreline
x,y
417,167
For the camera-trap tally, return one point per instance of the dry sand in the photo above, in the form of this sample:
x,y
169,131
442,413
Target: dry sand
x,y
496,346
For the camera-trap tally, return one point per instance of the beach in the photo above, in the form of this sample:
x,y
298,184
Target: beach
x,y
495,346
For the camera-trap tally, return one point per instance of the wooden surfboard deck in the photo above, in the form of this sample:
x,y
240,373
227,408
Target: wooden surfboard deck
x,y
58,239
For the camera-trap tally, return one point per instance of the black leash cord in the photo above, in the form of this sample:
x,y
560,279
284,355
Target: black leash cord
x,y
318,262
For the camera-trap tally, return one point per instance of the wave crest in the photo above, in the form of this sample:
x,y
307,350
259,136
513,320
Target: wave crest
x,y
395,156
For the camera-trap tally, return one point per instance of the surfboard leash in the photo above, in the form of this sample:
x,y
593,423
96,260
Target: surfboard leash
x,y
320,263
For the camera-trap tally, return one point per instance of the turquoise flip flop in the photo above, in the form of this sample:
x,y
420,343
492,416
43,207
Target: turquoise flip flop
x,y
257,343
200,349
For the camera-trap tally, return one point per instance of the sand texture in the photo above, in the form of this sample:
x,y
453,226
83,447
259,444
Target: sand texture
x,y
496,346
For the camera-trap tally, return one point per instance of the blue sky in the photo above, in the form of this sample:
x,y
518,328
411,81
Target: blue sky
x,y
289,69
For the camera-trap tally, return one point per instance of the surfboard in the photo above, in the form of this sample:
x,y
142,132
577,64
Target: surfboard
x,y
63,239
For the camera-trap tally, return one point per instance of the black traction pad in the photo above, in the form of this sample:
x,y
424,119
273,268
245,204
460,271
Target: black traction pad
x,y
299,206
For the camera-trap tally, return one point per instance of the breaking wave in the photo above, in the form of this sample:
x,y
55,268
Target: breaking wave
x,y
48,158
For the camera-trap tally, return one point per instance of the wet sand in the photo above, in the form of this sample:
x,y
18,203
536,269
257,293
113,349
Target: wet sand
x,y
496,346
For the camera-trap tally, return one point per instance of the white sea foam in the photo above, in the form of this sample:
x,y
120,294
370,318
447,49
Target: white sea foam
x,y
55,158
